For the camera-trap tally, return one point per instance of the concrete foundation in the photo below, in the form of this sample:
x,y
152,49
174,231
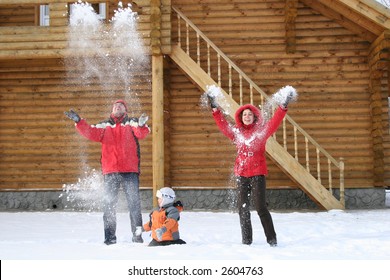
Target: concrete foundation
x,y
224,200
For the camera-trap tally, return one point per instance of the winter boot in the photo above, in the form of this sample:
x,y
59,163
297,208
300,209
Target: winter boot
x,y
273,242
137,239
247,242
110,241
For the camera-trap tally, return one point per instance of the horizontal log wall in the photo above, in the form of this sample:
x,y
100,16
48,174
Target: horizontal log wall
x,y
386,144
329,69
18,15
39,146
20,37
386,127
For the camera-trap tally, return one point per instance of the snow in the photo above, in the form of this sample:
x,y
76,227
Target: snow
x,y
66,244
336,235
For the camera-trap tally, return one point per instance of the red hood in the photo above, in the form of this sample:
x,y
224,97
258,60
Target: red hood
x,y
254,109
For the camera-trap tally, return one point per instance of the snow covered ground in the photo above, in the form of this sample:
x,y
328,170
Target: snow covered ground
x,y
363,234
334,236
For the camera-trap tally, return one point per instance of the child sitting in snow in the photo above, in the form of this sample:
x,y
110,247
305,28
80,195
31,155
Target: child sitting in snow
x,y
164,220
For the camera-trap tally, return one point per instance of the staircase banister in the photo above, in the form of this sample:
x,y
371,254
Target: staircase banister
x,y
318,146
227,59
307,182
198,31
255,86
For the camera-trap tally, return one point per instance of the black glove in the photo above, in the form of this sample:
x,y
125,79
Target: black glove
x,y
288,99
212,102
72,115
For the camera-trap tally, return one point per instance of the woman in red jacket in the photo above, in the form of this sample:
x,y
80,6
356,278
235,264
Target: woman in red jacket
x,y
250,135
120,163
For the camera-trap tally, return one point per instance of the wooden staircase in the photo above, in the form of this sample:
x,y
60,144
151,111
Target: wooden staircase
x,y
312,186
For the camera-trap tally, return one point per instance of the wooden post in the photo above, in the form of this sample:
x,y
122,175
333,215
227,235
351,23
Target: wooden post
x,y
158,124
377,128
290,15
157,98
378,60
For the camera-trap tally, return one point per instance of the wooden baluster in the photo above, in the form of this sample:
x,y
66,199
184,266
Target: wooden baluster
x,y
272,114
296,143
188,39
251,93
330,176
342,197
307,154
230,81
262,101
241,97
318,166
219,69
198,48
178,31
208,60
284,134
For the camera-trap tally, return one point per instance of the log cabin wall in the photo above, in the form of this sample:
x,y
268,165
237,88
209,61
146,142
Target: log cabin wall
x,y
18,15
26,39
39,147
386,128
328,67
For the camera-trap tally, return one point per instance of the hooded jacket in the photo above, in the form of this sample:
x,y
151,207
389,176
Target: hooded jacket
x,y
119,139
168,217
250,140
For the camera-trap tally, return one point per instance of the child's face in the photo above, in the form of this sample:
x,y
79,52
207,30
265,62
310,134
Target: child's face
x,y
159,200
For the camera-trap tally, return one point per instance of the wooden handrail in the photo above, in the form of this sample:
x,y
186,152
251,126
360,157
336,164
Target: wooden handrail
x,y
253,87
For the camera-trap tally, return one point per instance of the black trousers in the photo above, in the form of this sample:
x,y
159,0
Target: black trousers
x,y
112,183
253,189
154,242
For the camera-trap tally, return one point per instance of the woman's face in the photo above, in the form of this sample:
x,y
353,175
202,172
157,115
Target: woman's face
x,y
247,117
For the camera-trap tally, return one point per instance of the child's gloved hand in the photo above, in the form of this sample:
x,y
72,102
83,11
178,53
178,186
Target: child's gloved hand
x,y
159,232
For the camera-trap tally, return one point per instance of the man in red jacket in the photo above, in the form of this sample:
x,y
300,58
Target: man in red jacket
x,y
250,134
120,163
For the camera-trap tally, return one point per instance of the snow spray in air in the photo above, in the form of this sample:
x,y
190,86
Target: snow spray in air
x,y
277,99
104,58
215,92
86,193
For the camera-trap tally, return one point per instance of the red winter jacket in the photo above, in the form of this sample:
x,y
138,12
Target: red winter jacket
x,y
250,140
119,138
